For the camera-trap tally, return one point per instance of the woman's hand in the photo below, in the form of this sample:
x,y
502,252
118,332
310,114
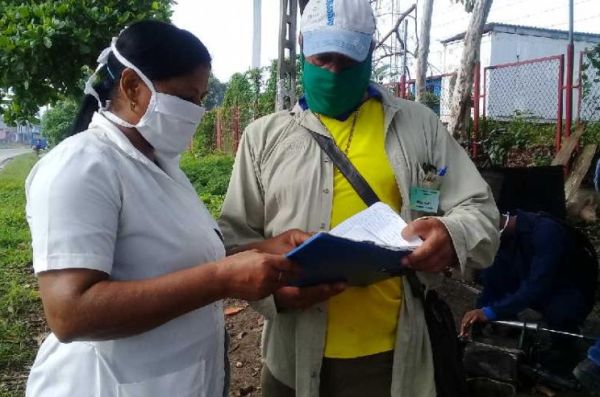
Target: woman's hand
x,y
253,275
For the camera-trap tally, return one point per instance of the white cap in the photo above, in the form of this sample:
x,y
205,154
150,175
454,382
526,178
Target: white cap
x,y
341,26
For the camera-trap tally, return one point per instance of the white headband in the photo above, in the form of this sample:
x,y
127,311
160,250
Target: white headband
x,y
103,60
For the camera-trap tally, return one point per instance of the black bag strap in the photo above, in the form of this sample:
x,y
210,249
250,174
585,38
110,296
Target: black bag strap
x,y
364,190
340,160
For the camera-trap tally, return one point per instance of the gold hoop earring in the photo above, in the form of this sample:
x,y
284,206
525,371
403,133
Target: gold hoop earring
x,y
132,106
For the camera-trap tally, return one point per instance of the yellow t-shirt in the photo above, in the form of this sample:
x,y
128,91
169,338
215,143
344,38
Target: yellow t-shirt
x,y
363,320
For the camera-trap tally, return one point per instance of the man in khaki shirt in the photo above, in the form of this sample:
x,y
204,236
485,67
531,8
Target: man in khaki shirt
x,y
282,180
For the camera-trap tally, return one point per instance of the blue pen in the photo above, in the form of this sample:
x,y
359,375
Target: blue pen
x,y
442,172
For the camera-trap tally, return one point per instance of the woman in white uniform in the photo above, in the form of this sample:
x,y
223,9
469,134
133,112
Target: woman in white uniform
x,y
131,265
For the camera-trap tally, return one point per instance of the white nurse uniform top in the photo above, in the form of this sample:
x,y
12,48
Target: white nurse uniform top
x,y
96,202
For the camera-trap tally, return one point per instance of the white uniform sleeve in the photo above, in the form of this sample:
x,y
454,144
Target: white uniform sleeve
x,y
73,204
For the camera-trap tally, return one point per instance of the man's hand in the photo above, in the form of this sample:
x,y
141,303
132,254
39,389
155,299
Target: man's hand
x,y
436,254
303,298
470,318
280,244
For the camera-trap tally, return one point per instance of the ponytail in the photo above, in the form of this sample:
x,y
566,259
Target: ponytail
x,y
89,106
104,84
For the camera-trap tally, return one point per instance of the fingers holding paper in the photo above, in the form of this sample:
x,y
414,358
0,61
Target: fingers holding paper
x,y
436,254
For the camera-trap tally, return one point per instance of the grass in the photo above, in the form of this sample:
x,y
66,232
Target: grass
x,y
20,307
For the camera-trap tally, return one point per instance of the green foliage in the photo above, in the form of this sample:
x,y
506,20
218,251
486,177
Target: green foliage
x,y
204,140
216,92
57,121
20,308
239,97
590,77
251,95
591,133
431,100
520,132
267,98
591,69
210,176
45,45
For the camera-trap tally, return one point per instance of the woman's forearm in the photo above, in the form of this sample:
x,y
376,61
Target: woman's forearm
x,y
83,304
107,309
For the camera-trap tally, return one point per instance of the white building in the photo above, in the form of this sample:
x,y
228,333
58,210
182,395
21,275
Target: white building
x,y
526,87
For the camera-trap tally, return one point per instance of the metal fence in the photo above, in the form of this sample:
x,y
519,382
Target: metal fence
x,y
441,86
531,87
588,104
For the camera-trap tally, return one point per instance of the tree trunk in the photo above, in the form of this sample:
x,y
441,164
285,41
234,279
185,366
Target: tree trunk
x,y
302,4
423,51
461,98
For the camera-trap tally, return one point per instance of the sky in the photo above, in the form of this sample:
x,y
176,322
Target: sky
x,y
225,26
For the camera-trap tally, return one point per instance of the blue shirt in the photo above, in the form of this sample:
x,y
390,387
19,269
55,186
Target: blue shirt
x,y
597,176
529,266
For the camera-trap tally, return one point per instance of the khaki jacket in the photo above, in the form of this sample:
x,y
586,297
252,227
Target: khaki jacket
x,y
282,180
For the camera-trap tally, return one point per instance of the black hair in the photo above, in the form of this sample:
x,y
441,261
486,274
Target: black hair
x,y
159,49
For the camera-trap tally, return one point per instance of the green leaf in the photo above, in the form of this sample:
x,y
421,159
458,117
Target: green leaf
x,y
63,36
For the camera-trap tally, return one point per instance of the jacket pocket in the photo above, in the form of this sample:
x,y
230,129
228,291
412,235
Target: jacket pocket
x,y
188,382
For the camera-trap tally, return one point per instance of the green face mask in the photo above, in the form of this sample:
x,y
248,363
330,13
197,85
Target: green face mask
x,y
333,94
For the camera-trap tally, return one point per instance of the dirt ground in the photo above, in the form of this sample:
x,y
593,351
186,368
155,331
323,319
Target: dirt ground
x,y
245,329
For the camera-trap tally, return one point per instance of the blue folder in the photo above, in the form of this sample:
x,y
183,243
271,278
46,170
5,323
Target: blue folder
x,y
325,258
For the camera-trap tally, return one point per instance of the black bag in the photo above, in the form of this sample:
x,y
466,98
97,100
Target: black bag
x,y
449,374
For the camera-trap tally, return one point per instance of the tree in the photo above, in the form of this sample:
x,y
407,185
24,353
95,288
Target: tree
x,y
45,46
57,121
216,93
423,50
266,102
461,96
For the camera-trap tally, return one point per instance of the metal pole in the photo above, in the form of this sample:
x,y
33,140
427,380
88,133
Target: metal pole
x,y
476,97
569,82
256,40
536,327
286,65
579,87
559,110
403,77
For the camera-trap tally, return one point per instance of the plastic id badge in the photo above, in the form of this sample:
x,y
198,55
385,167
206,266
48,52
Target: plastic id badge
x,y
424,199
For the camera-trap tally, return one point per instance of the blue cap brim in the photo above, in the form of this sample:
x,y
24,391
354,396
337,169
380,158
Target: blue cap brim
x,y
354,45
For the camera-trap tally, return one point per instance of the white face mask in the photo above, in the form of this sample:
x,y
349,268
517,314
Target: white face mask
x,y
169,122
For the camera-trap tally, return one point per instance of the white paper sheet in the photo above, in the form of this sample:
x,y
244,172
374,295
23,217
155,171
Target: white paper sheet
x,y
379,224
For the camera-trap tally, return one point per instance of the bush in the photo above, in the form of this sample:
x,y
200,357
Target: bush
x,y
204,140
210,176
592,133
57,121
521,132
